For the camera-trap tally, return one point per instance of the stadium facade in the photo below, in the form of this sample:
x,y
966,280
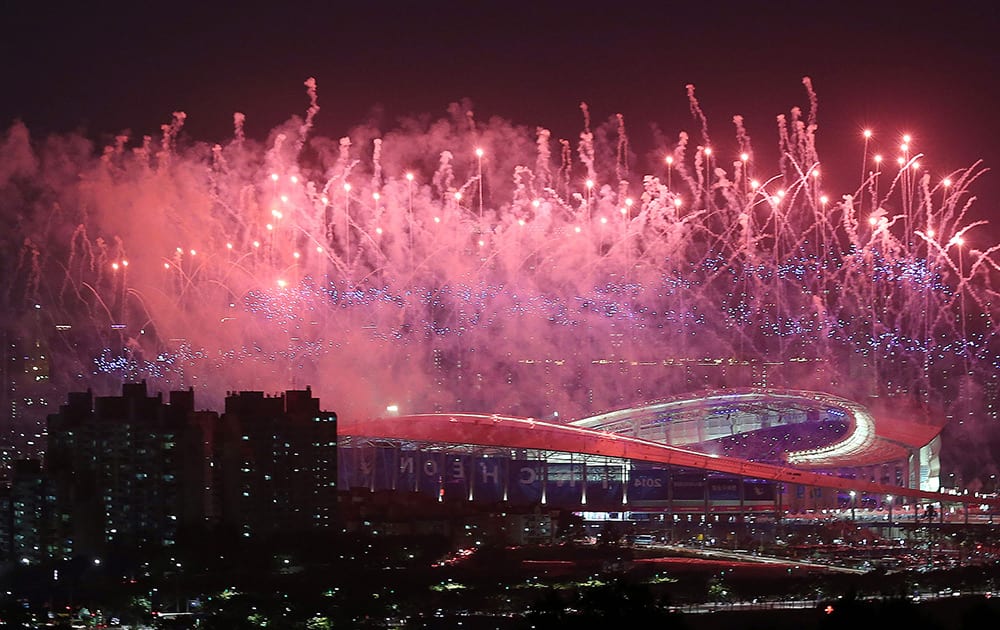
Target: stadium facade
x,y
754,450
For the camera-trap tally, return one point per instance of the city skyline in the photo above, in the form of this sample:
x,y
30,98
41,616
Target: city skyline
x,y
598,290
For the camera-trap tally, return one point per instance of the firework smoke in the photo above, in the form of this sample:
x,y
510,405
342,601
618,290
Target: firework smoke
x,y
398,266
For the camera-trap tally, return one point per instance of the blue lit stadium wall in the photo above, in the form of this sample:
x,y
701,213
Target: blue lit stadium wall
x,y
525,482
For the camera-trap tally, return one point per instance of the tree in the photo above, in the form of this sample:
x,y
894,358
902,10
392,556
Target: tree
x,y
319,623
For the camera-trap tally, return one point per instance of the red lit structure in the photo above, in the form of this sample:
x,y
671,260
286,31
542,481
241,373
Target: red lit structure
x,y
654,434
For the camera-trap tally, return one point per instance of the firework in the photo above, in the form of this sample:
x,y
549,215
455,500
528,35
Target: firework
x,y
455,265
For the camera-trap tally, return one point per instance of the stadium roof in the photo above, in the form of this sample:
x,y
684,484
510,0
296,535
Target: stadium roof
x,y
722,413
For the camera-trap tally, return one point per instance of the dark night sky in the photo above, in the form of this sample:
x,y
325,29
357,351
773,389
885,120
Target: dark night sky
x,y
926,68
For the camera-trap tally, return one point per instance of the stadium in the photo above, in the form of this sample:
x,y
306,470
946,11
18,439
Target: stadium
x,y
755,451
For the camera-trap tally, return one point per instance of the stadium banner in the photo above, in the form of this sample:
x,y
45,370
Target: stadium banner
x,y
362,467
756,491
564,485
604,487
724,490
407,468
524,481
488,476
385,468
456,477
430,474
649,487
688,489
345,458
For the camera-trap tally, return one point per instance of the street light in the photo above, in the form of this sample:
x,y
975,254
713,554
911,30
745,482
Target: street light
x,y
854,501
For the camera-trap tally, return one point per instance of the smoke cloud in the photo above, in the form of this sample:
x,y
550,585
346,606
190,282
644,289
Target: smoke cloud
x,y
399,266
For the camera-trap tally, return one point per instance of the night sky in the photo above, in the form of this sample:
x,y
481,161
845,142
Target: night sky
x,y
919,67
100,69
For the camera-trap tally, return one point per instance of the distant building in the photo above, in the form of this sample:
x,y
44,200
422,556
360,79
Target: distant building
x,y
26,391
278,458
133,472
29,527
128,470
